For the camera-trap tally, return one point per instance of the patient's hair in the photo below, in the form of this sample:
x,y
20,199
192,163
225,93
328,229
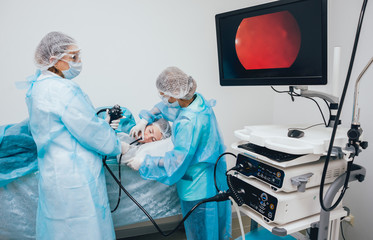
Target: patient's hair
x,y
164,127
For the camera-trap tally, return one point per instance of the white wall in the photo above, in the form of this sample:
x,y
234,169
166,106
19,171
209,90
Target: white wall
x,y
126,44
343,18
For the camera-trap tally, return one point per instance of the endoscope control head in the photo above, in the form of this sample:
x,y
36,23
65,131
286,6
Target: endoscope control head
x,y
115,112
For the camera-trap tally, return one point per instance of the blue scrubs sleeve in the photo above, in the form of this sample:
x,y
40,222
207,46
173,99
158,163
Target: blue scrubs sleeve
x,y
149,116
172,167
160,110
94,133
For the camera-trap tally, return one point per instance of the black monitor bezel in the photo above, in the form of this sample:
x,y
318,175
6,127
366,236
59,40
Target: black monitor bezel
x,y
273,81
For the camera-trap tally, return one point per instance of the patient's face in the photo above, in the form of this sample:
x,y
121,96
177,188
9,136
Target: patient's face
x,y
151,134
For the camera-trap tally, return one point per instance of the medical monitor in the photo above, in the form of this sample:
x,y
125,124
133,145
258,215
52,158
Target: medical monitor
x,y
278,43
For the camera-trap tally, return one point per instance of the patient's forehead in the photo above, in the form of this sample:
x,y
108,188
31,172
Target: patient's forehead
x,y
157,132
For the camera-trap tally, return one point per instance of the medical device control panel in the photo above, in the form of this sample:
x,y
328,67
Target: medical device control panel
x,y
289,179
260,201
276,207
260,170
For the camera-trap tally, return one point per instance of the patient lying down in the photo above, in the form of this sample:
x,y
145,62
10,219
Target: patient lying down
x,y
156,142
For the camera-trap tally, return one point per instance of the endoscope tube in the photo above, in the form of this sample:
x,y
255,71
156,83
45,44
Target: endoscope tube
x,y
321,195
219,197
120,178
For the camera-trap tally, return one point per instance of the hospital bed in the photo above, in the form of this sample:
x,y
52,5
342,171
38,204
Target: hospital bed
x,y
19,196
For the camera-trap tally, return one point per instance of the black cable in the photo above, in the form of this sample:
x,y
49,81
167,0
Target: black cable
x,y
102,110
343,236
119,175
294,94
306,127
317,104
278,90
234,194
120,180
219,197
321,195
291,93
139,139
330,111
216,164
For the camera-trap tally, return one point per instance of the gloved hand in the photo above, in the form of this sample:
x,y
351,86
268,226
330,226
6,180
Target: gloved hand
x,y
115,124
135,163
140,127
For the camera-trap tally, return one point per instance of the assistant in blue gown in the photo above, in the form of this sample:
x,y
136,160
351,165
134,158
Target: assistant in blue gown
x,y
197,145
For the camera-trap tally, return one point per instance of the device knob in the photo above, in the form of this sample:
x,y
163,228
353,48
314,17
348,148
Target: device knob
x,y
364,145
264,196
241,191
355,132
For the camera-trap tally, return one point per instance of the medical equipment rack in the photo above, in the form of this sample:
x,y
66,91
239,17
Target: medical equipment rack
x,y
273,137
326,222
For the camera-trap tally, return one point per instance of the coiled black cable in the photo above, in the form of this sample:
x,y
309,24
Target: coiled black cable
x,y
235,195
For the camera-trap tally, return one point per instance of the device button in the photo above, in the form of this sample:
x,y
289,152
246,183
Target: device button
x,y
264,196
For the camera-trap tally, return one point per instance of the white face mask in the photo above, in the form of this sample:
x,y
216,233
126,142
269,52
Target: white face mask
x,y
165,101
74,70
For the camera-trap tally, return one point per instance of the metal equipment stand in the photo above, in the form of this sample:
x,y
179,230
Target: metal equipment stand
x,y
331,231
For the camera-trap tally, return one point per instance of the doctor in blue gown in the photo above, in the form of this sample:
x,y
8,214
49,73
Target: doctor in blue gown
x,y
70,139
197,145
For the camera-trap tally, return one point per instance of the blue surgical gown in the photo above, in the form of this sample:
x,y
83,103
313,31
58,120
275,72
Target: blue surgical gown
x,y
197,145
73,201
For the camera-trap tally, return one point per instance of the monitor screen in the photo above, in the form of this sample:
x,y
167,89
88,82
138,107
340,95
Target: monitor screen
x,y
278,43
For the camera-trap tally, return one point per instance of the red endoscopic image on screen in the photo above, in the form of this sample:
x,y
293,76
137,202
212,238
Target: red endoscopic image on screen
x,y
268,41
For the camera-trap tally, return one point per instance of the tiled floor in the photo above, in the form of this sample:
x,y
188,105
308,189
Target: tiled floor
x,y
180,235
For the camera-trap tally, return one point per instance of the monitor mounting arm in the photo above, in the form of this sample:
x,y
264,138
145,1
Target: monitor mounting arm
x,y
304,92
